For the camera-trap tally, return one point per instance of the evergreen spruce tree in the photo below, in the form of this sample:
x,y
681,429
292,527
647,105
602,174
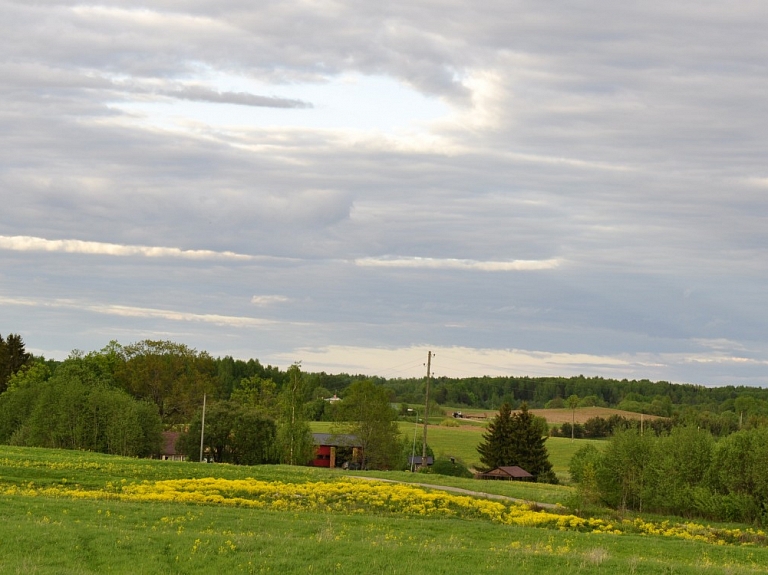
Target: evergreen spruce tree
x,y
515,439
497,448
531,453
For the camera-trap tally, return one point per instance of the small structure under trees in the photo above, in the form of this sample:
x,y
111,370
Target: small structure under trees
x,y
515,439
507,473
337,450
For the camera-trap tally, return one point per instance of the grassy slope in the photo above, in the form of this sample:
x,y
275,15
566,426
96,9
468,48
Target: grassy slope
x,y
462,442
41,535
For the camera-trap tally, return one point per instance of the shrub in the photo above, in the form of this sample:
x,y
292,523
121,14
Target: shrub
x,y
450,466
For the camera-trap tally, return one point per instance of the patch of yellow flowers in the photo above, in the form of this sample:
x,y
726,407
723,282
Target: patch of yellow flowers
x,y
351,496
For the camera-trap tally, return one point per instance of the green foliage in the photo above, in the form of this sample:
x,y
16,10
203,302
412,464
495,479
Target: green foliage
x,y
586,456
625,470
17,402
171,375
366,412
294,437
13,357
76,408
234,433
516,439
445,466
555,403
410,447
683,473
498,446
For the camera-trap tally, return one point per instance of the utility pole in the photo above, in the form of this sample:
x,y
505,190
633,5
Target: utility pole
x,y
202,431
426,414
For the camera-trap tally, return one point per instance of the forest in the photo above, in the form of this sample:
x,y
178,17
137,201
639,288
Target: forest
x,y
120,398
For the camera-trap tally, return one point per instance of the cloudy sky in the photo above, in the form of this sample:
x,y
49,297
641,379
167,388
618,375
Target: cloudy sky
x,y
522,187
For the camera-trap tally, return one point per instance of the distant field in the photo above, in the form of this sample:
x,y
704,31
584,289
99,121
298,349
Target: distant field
x,y
558,416
462,442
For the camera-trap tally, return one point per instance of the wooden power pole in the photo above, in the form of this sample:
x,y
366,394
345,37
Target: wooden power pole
x,y
426,414
202,431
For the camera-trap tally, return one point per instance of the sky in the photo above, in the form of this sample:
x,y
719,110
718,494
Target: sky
x,y
521,187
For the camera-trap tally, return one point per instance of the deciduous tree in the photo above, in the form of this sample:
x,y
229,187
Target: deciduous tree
x,y
366,412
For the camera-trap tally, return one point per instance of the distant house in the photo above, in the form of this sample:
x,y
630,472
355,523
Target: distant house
x,y
415,461
337,450
508,473
168,451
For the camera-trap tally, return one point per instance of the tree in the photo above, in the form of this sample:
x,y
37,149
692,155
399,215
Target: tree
x,y
78,408
498,446
20,397
366,412
13,357
626,469
516,439
294,437
171,375
234,433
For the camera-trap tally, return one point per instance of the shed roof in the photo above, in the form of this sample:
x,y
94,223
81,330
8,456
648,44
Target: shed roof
x,y
416,460
169,442
512,471
337,439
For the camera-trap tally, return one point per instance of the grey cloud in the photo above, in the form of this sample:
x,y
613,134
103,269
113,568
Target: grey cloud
x,y
622,139
201,94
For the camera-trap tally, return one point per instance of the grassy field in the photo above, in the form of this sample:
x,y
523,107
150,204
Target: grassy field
x,y
95,531
462,442
553,416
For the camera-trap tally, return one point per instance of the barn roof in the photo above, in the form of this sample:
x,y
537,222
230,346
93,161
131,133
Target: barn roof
x,y
337,439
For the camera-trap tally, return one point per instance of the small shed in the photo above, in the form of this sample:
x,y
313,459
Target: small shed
x,y
415,461
507,473
169,451
337,450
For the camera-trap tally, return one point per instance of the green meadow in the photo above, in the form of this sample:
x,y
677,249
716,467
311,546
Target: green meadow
x,y
462,442
59,534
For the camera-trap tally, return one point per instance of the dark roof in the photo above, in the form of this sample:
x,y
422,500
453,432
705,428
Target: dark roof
x,y
515,471
169,442
336,439
417,460
508,471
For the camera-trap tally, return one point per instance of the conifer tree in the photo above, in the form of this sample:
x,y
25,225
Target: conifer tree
x,y
497,448
515,439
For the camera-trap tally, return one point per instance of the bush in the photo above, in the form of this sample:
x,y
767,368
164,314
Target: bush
x,y
449,423
453,467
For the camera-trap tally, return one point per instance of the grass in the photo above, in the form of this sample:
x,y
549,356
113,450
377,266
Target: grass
x,y
44,535
534,492
462,442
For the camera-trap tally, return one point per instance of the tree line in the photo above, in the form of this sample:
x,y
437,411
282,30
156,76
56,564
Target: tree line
x,y
160,385
685,472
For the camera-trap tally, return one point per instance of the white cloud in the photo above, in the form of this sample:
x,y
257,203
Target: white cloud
x,y
267,300
33,244
139,312
449,361
458,264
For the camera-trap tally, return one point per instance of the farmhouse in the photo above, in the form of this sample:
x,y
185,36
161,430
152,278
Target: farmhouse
x,y
337,450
